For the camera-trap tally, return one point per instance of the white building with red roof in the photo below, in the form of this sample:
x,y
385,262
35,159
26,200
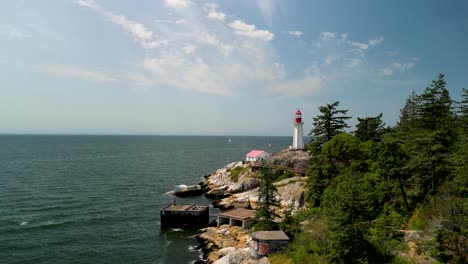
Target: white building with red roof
x,y
255,155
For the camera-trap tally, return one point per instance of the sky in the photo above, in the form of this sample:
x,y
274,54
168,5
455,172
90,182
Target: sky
x,y
189,67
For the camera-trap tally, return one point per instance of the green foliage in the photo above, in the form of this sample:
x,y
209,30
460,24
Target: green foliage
x,y
368,187
348,215
370,128
267,203
415,222
281,175
328,124
279,259
344,151
310,246
290,225
384,232
238,170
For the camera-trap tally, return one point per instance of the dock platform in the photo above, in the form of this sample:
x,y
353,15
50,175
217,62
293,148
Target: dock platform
x,y
184,215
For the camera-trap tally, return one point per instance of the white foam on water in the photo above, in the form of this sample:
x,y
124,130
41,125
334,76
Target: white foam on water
x,y
177,229
23,223
193,248
181,186
169,193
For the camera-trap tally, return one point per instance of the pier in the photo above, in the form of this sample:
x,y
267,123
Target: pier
x,y
180,215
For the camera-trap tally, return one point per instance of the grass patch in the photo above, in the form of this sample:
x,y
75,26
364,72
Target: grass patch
x,y
238,170
280,259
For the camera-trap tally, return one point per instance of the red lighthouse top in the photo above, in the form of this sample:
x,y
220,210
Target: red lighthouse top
x,y
298,118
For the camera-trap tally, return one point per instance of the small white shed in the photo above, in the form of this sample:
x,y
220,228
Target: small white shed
x,y
255,155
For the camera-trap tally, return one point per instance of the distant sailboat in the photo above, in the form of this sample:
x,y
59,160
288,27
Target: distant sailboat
x,y
229,140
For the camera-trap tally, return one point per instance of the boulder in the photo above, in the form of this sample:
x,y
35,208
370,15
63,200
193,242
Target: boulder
x,y
189,191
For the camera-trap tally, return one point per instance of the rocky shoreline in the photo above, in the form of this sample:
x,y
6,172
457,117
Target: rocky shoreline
x,y
236,186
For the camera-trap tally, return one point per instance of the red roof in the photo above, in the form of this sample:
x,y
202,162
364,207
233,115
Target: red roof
x,y
255,153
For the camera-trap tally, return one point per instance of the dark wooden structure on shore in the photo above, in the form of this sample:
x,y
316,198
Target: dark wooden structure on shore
x,y
184,215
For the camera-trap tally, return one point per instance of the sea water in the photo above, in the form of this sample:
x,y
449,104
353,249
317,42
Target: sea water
x,y
96,199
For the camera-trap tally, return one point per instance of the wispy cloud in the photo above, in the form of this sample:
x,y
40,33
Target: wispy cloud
x,y
140,33
365,46
178,3
376,41
76,72
11,32
243,29
397,67
168,21
327,35
295,33
360,45
212,12
312,81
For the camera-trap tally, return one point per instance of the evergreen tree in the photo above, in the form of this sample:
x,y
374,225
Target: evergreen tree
x,y
343,152
408,114
427,130
266,201
463,109
391,163
370,128
328,124
347,213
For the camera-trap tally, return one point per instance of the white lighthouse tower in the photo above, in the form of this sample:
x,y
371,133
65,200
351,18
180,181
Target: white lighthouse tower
x,y
298,140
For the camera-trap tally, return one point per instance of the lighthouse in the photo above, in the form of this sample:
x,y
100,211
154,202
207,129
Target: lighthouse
x,y
298,141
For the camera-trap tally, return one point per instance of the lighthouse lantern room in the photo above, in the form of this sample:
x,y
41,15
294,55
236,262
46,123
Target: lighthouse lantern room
x,y
298,141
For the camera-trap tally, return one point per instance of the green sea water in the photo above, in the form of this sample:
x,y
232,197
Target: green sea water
x,y
96,199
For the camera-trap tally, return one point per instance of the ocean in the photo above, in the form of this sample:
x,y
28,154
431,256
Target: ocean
x,y
96,199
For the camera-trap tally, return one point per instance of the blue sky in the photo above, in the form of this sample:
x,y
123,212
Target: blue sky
x,y
244,67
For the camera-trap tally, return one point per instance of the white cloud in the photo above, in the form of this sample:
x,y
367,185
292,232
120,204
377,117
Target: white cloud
x,y
327,35
178,3
11,32
387,71
397,67
216,15
360,45
365,46
140,33
75,72
353,62
403,66
376,41
168,21
189,49
212,12
243,29
295,33
199,56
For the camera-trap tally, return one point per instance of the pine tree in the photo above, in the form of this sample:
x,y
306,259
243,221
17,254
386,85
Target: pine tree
x,y
370,128
408,114
328,124
347,213
266,201
463,108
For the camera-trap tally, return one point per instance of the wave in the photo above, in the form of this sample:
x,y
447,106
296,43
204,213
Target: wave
x,y
169,193
177,229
